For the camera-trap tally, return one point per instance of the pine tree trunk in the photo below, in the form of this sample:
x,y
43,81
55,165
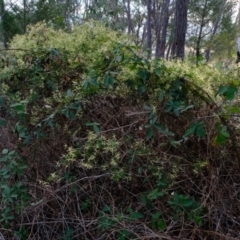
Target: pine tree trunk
x,y
180,28
162,31
149,28
129,19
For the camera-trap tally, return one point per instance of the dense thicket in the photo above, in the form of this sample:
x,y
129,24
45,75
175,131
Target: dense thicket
x,y
99,142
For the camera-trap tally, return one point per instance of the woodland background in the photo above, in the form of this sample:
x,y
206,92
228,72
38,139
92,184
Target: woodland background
x,y
119,119
163,28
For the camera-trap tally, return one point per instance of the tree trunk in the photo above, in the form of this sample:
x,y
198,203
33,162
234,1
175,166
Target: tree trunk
x,y
158,29
3,32
149,28
162,30
180,28
24,16
129,19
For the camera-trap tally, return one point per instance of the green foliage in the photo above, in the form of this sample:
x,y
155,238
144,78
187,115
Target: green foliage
x,y
10,25
228,91
95,126
222,135
157,222
197,128
123,234
14,194
86,205
89,43
22,233
186,206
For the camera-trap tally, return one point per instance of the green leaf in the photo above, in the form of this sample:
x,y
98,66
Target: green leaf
x,y
201,132
22,134
111,81
85,85
108,80
198,220
129,209
142,89
220,139
106,208
225,134
69,93
158,126
175,143
143,74
122,234
118,58
169,106
232,109
92,123
190,130
219,65
150,115
155,194
2,122
93,82
148,125
153,120
156,215
222,89
146,107
146,201
5,151
96,129
140,170
105,223
161,225
186,108
19,107
231,92
136,215
158,71
187,202
166,132
149,133
2,101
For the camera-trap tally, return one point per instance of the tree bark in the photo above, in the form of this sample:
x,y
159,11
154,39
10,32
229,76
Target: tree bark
x,y
180,28
129,19
3,31
149,27
162,29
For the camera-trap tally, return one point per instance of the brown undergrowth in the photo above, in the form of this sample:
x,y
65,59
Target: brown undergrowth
x,y
79,201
